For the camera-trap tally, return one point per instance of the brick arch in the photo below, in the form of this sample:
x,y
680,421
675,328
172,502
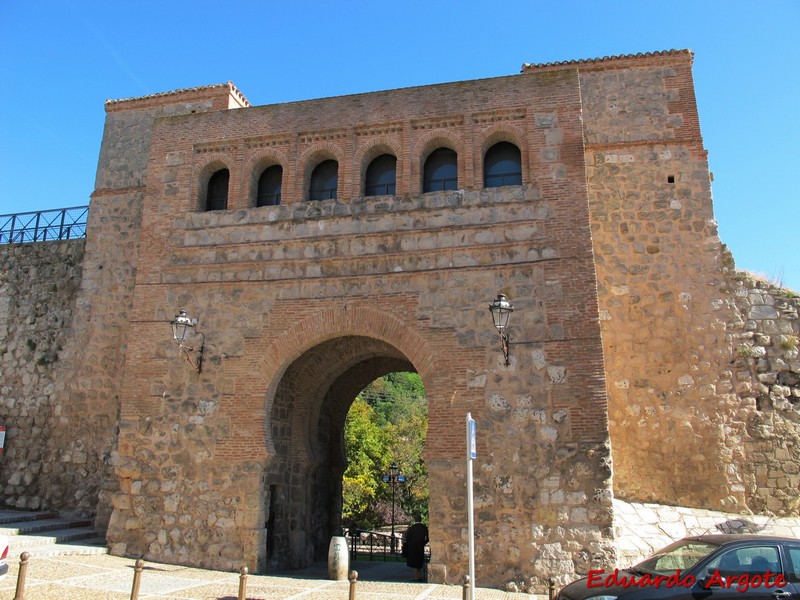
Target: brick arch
x,y
311,157
205,169
428,143
369,152
339,322
319,386
501,132
333,354
437,139
256,166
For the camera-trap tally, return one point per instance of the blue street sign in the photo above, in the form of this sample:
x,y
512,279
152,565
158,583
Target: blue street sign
x,y
473,443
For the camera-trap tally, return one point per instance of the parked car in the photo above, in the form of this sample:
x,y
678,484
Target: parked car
x,y
4,549
706,567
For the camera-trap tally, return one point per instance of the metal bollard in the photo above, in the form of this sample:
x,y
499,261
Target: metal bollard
x,y
353,580
465,588
22,575
137,579
243,583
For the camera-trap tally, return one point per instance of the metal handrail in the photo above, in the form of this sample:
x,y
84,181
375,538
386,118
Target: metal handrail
x,y
377,545
44,225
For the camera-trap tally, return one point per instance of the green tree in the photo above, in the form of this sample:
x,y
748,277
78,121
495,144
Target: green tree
x,y
387,423
365,444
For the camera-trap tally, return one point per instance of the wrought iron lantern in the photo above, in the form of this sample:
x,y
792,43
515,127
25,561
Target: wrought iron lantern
x,y
182,324
501,310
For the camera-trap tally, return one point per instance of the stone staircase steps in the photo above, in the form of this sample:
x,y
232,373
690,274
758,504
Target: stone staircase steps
x,y
24,516
47,534
80,547
40,525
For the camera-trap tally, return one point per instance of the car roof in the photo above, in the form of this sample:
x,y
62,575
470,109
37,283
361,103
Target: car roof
x,y
722,539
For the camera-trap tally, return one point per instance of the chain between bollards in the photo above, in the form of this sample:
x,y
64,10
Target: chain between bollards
x,y
22,575
243,583
551,588
353,580
465,588
137,579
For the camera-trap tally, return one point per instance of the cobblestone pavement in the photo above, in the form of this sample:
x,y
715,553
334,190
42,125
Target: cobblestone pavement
x,y
106,577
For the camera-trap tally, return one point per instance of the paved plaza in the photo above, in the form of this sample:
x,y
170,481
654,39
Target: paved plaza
x,y
104,577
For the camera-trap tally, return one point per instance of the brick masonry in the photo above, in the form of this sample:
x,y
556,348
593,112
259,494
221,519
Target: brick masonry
x,y
650,356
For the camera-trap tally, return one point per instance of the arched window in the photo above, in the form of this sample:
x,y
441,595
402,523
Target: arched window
x,y
269,186
217,196
441,171
381,176
502,165
324,180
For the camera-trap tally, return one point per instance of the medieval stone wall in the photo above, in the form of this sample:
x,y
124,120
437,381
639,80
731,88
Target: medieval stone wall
x,y
701,361
65,326
659,264
38,284
63,321
90,387
763,409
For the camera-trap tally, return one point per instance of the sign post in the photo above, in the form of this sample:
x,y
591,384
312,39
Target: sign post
x,y
472,454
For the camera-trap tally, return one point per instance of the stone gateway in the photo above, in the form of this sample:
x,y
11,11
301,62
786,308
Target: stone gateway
x,y
322,244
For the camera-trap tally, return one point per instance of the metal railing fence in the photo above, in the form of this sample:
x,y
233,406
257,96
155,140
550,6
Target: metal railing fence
x,y
377,545
374,545
44,225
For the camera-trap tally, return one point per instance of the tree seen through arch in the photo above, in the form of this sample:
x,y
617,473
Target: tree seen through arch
x,y
387,423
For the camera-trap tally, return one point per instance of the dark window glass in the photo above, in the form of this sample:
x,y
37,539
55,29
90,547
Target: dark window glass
x,y
217,198
683,555
755,560
269,186
324,180
502,166
441,171
793,570
381,176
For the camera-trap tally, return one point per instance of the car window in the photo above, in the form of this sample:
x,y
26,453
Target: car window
x,y
682,555
751,560
793,568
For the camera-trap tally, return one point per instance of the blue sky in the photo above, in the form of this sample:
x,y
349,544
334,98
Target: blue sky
x,y
62,60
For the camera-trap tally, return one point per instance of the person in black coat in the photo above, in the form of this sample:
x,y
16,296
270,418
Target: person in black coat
x,y
414,540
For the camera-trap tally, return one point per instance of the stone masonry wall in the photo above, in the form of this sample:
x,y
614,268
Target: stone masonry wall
x,y
90,391
701,360
659,264
59,387
764,413
38,290
86,391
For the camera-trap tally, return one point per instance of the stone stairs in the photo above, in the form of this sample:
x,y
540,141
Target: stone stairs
x,y
44,533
